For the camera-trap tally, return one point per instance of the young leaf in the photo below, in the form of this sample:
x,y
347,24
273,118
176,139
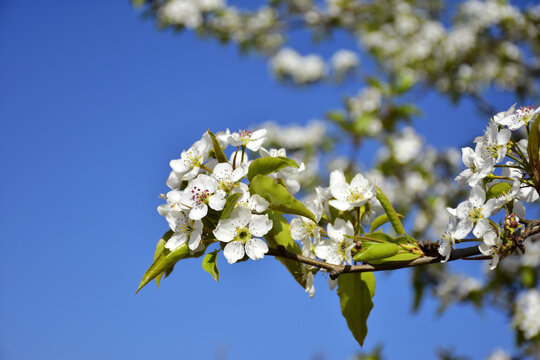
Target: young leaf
x,y
405,257
220,155
209,264
385,237
230,203
164,261
281,235
355,293
498,190
278,197
159,249
377,252
533,150
390,212
380,221
268,165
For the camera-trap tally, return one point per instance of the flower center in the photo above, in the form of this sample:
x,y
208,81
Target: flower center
x,y
242,235
199,195
355,194
342,248
525,113
475,214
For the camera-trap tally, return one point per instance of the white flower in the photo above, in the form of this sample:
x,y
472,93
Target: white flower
x,y
499,354
448,240
253,202
407,145
493,143
227,177
242,231
344,61
184,229
190,162
181,12
477,167
303,229
250,139
337,248
200,193
289,175
350,196
473,213
516,119
492,243
310,287
527,313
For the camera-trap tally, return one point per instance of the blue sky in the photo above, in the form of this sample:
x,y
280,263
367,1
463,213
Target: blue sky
x,y
94,103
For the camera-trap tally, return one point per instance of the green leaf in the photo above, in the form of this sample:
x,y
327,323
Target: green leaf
x,y
159,249
278,197
336,116
405,257
230,203
390,212
385,237
533,150
498,190
355,293
380,221
218,151
281,235
377,252
268,165
163,262
209,264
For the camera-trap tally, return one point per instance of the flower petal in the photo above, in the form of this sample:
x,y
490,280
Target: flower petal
x,y
233,251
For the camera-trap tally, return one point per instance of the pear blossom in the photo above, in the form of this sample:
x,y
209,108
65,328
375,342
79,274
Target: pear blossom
x,y
190,162
254,202
348,196
473,213
477,167
493,143
344,61
492,243
337,248
527,313
250,139
302,228
448,240
288,174
200,193
227,177
516,119
241,232
185,230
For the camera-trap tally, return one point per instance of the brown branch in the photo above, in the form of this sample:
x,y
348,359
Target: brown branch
x,y
532,227
336,270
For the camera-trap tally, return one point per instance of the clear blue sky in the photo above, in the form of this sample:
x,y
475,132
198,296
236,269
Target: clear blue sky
x,y
94,102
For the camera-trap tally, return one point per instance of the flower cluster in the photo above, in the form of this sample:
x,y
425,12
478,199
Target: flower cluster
x,y
490,192
200,187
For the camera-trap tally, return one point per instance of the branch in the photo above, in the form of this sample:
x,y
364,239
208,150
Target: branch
x,y
532,227
336,270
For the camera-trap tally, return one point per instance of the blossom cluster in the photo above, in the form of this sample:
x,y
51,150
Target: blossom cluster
x,y
474,49
485,201
200,185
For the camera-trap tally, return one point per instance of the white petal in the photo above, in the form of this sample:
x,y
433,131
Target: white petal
x,y
233,251
463,228
223,171
217,201
176,240
225,230
340,205
256,248
337,177
258,203
481,227
332,283
194,240
198,212
260,225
